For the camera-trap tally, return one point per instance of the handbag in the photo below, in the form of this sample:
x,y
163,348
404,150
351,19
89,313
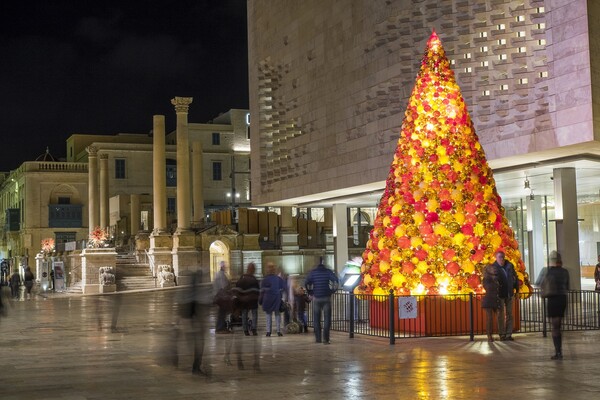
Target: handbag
x,y
283,306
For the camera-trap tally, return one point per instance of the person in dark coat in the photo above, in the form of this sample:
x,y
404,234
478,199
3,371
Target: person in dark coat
x,y
555,288
508,290
15,284
247,290
490,302
271,292
29,278
597,275
321,283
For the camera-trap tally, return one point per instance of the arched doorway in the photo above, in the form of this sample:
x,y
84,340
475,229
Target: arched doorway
x,y
219,251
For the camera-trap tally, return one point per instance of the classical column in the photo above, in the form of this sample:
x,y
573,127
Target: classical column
x,y
160,239
535,237
340,236
159,180
104,208
328,229
567,227
198,185
92,187
183,163
134,207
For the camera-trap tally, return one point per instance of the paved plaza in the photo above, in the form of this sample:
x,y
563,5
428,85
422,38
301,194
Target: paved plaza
x,y
63,347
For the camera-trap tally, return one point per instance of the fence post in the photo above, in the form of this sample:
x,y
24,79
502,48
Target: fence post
x,y
351,297
392,317
471,317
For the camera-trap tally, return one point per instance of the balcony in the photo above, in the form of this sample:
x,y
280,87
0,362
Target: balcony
x,y
64,215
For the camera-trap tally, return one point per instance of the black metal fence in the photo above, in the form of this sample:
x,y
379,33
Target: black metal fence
x,y
450,315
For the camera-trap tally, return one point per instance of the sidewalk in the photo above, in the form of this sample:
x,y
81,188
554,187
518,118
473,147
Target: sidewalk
x,y
62,348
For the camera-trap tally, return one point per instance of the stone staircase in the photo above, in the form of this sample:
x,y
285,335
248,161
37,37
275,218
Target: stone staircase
x,y
75,288
132,275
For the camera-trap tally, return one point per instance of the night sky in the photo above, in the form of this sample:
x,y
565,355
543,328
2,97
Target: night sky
x,y
108,66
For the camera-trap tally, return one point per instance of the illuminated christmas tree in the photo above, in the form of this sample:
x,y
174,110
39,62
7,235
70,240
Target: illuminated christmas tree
x,y
440,218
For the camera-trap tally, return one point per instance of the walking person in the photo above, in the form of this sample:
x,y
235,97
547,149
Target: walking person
x,y
247,289
301,299
508,289
321,284
271,292
490,302
29,280
221,284
555,288
597,275
15,285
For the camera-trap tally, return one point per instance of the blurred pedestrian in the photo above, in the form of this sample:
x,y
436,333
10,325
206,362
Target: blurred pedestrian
x,y
301,299
272,288
597,275
29,281
220,287
555,288
321,284
15,285
508,289
490,302
247,291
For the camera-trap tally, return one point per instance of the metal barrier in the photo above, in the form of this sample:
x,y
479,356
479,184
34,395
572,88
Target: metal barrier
x,y
451,315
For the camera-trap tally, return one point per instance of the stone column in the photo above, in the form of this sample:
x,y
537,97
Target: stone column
x,y
92,187
289,236
134,207
535,235
185,256
567,227
340,236
159,178
160,239
328,229
183,163
104,208
198,185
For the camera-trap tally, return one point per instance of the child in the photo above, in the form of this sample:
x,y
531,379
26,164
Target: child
x,y
300,300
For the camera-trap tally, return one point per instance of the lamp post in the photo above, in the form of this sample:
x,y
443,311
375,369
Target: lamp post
x,y
349,279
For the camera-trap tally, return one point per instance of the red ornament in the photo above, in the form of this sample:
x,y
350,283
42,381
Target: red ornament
x,y
421,254
473,281
449,254
408,267
452,268
445,205
428,279
432,217
403,242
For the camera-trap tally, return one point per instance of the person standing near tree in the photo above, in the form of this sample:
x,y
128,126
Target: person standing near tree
x,y
321,283
555,288
508,289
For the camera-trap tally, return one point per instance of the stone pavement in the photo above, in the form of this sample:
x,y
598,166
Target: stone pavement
x,y
63,348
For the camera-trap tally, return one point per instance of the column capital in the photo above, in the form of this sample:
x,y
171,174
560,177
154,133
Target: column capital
x,y
103,156
92,150
182,104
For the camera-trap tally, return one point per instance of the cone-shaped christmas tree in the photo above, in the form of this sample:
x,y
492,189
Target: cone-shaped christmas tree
x,y
440,219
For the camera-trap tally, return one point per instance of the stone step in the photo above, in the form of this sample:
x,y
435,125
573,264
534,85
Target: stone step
x,y
75,288
135,283
133,270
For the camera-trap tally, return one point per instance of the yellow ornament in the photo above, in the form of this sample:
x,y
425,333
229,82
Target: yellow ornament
x,y
418,217
416,241
384,266
398,280
468,266
367,279
422,267
459,218
458,239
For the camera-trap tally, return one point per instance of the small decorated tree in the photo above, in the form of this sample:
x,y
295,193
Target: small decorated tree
x,y
47,245
97,238
440,219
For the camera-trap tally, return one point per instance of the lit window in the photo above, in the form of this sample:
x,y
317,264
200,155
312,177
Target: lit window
x,y
486,93
484,49
521,34
520,18
541,25
468,55
523,81
482,34
503,87
501,27
522,49
452,62
540,10
544,74
542,42
484,63
468,69
501,42
502,57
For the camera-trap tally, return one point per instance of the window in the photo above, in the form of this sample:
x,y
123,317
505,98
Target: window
x,y
486,93
482,34
217,170
171,173
119,168
520,18
503,87
171,205
484,49
64,200
523,81
501,42
64,237
501,27
544,74
502,56
216,138
484,63
468,69
521,34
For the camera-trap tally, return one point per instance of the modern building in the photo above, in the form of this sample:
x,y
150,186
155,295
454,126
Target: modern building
x,y
329,83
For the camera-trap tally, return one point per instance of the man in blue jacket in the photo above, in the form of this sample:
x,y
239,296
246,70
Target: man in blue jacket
x,y
321,283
